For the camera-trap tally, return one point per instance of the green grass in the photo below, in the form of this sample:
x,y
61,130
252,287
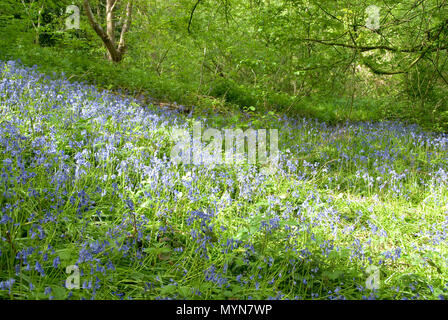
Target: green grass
x,y
223,96
345,197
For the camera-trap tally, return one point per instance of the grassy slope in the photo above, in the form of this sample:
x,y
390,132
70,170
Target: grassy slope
x,y
78,65
86,179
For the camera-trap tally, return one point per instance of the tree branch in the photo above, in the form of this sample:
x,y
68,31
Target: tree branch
x,y
365,48
115,55
191,15
126,26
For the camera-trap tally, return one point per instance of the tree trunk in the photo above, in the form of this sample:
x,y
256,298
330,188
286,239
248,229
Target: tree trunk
x,y
110,27
108,37
38,24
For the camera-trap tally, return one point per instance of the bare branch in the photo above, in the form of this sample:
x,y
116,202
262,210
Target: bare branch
x,y
126,26
191,15
415,49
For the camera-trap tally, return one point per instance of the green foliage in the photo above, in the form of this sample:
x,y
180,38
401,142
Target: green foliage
x,y
234,93
254,54
347,196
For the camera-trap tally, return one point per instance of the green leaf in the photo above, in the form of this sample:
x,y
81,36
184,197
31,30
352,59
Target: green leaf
x,y
333,275
169,289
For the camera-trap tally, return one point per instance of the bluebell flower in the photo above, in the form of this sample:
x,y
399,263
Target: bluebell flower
x,y
56,262
38,268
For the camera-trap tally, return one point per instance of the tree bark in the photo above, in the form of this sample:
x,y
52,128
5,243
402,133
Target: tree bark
x,y
108,36
125,29
110,26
